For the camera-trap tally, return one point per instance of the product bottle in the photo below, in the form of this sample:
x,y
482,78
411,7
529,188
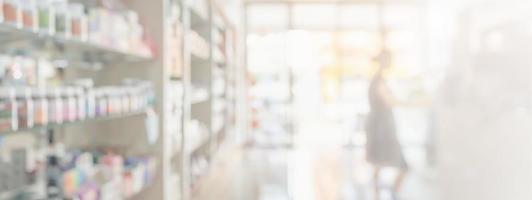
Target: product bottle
x,y
53,168
78,21
41,107
62,25
90,103
1,11
29,14
55,109
25,108
71,104
46,15
11,11
101,103
81,104
8,110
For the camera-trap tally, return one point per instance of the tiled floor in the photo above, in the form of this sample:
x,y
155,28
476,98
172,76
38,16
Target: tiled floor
x,y
313,170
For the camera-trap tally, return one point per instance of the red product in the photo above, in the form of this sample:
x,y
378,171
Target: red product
x,y
41,108
127,184
55,109
10,12
76,27
28,19
1,11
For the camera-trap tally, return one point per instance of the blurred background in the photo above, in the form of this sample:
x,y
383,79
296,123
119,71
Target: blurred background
x,y
266,99
310,65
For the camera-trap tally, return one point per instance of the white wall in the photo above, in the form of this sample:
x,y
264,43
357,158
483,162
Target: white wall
x,y
485,108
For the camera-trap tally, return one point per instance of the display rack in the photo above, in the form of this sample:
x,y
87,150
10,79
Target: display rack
x,y
73,49
194,84
15,194
118,64
208,65
76,122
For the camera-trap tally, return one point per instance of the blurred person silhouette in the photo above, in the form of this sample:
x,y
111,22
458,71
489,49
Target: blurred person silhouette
x,y
383,148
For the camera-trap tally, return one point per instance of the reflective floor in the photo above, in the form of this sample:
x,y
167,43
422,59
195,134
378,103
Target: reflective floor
x,y
316,168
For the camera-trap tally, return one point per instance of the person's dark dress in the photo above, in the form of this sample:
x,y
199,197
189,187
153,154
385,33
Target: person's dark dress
x,y
383,148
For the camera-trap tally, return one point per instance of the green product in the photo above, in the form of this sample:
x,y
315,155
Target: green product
x,y
61,15
5,116
60,23
44,18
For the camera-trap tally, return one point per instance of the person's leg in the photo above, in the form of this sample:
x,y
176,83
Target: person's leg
x,y
376,182
400,180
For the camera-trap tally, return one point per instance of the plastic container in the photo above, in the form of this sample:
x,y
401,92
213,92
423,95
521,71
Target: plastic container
x,y
55,109
8,110
70,105
11,11
29,69
78,21
119,103
1,11
135,33
101,103
41,107
120,32
4,62
97,25
132,104
126,100
90,102
141,98
29,14
46,15
25,108
109,94
73,105
116,102
62,25
86,98
148,96
81,99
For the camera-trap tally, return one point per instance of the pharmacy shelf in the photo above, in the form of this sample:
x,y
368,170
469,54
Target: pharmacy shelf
x,y
199,46
199,100
176,78
199,12
218,128
88,120
208,56
73,49
30,192
196,144
200,96
137,194
16,193
218,105
219,57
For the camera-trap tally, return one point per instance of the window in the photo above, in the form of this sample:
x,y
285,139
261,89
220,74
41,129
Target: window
x,y
359,17
266,17
315,16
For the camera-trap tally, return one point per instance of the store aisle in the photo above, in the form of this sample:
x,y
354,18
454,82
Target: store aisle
x,y
313,170
279,175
